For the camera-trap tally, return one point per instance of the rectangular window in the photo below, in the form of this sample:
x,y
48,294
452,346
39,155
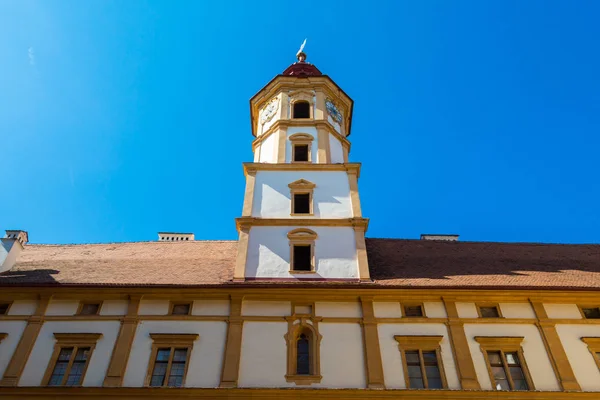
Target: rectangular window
x,y
4,308
301,203
422,361
300,152
506,371
170,362
489,312
591,312
302,258
89,309
413,310
181,308
70,360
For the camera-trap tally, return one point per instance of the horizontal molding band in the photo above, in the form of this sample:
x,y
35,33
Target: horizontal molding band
x,y
250,168
248,222
25,393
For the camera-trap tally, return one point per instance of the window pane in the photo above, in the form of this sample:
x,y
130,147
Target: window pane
x,y
163,354
175,381
303,355
498,373
430,357
302,258
181,309
412,357
414,371
489,312
494,357
58,373
82,354
434,383
416,383
512,358
516,373
157,380
413,311
180,355
502,385
75,375
520,384
592,313
65,354
432,372
302,203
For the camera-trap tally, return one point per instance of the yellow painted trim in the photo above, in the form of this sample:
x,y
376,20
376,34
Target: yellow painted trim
x,y
554,347
14,369
282,144
324,153
233,346
361,254
354,197
120,356
350,168
242,252
460,348
372,349
9,305
249,192
349,222
593,344
74,340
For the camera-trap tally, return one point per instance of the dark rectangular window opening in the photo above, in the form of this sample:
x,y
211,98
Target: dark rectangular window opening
x,y
489,312
301,203
302,258
591,313
90,309
181,309
413,311
4,308
301,109
301,152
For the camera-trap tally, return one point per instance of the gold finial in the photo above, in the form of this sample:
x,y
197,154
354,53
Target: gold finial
x,y
300,55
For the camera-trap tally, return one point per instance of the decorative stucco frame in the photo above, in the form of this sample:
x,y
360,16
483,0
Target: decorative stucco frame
x,y
74,340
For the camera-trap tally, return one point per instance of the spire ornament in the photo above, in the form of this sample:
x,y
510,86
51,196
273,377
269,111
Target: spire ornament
x,y
301,55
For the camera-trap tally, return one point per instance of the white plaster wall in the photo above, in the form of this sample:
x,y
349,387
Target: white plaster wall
x,y
22,307
331,196
467,310
210,307
581,360
393,370
263,361
267,308
309,130
342,356
44,347
563,311
435,309
516,310
205,361
387,309
154,307
62,307
338,309
333,123
114,307
335,149
14,329
266,150
534,351
269,253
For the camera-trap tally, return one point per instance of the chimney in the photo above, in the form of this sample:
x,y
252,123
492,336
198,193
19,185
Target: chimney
x,y
174,237
12,245
434,236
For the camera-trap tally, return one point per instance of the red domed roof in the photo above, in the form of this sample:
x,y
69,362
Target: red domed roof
x,y
302,69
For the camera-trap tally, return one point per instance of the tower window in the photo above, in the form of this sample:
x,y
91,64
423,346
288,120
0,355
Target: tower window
x,y
181,308
491,311
413,310
300,153
591,312
89,308
301,110
302,257
301,203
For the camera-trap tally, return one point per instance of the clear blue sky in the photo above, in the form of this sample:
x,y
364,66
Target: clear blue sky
x,y
472,117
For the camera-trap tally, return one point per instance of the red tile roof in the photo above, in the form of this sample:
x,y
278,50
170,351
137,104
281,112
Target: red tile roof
x,y
393,263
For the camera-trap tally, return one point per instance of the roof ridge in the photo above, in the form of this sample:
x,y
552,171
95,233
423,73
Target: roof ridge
x,y
485,242
116,243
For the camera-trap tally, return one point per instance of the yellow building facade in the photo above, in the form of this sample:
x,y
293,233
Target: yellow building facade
x,y
302,305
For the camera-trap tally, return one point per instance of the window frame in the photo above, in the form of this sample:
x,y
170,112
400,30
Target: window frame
x,y
8,306
84,303
302,186
593,344
172,305
421,344
296,326
505,344
413,304
173,341
76,341
581,307
302,237
485,305
302,99
301,139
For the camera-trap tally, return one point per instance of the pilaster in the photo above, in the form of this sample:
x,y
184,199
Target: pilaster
x,y
372,349
233,346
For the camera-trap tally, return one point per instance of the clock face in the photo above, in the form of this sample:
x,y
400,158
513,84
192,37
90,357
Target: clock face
x,y
333,111
269,110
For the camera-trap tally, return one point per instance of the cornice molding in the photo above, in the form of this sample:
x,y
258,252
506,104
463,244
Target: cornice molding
x,y
252,168
242,222
316,123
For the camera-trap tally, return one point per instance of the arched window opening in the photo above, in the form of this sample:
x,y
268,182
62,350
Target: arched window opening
x,y
303,354
301,109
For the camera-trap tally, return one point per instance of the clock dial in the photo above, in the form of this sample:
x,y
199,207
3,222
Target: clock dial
x,y
333,111
269,111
